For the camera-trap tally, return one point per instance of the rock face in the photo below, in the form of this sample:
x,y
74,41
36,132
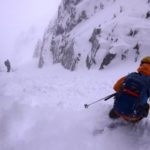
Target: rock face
x,y
93,34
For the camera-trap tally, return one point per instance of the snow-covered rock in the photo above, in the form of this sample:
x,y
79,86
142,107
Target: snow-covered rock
x,y
86,33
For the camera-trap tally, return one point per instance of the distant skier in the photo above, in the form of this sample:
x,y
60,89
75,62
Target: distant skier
x,y
7,64
133,92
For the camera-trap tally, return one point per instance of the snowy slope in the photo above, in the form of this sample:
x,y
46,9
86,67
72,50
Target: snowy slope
x,y
44,110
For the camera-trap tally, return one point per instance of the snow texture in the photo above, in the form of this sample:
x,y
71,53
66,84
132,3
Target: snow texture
x,y
43,109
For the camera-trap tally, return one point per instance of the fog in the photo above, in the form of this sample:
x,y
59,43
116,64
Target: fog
x,y
20,18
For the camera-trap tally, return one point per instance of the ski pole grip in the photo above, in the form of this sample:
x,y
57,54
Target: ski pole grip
x,y
108,97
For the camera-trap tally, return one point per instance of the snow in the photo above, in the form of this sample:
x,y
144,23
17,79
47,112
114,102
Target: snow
x,y
112,28
44,109
23,21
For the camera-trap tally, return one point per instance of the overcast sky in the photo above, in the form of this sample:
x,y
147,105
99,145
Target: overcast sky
x,y
18,16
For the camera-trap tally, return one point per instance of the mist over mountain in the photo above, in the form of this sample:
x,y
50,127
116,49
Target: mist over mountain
x,y
96,34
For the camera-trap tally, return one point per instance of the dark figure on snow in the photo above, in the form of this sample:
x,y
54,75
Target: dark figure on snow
x,y
7,64
132,94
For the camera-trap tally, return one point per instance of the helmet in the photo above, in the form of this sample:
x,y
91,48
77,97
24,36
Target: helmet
x,y
146,60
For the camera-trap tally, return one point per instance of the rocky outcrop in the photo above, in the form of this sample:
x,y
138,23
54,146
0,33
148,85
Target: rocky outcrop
x,y
90,60
107,60
93,34
62,44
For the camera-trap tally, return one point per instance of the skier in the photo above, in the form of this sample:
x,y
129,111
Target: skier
x,y
132,94
7,64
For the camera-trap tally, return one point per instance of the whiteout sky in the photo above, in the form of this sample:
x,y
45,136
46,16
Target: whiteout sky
x,y
18,16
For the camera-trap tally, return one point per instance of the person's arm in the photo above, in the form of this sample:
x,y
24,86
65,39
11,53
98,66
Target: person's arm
x,y
118,84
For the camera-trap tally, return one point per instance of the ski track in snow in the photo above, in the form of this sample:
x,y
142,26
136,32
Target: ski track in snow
x,y
44,109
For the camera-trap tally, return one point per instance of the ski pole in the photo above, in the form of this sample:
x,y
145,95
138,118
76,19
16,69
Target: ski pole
x,y
104,98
